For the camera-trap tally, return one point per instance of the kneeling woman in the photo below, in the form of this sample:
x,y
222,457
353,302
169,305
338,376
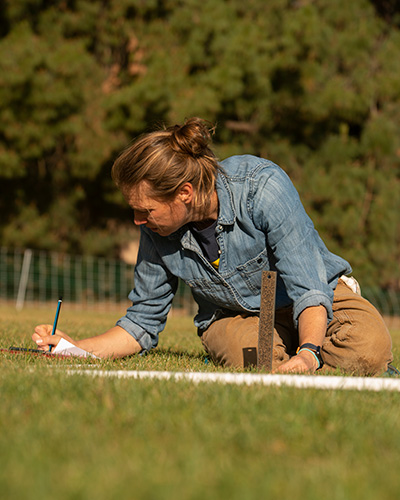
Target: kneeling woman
x,y
217,226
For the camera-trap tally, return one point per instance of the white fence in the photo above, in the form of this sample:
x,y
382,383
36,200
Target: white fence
x,y
31,276
38,277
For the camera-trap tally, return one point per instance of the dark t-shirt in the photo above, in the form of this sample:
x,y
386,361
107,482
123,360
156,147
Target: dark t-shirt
x,y
208,242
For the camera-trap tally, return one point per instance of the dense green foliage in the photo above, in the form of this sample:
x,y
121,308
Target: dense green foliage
x,y
313,85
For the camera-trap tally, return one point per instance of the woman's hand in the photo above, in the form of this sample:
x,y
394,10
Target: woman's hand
x,y
114,343
303,362
312,329
44,339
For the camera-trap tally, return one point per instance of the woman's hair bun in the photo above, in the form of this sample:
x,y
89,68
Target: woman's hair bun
x,y
192,138
168,158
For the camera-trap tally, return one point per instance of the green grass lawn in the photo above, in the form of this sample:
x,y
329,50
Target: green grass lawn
x,y
77,437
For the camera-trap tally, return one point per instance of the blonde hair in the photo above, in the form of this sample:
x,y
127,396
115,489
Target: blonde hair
x,y
167,159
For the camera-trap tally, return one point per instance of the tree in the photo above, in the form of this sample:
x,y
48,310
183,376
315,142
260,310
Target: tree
x,y
310,84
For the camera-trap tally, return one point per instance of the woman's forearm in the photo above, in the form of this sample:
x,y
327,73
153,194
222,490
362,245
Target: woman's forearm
x,y
312,329
114,343
313,323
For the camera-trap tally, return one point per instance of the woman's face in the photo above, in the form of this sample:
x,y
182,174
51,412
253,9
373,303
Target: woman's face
x,y
164,218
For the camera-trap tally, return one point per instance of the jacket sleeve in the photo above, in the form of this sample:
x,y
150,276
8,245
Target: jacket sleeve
x,y
154,289
296,248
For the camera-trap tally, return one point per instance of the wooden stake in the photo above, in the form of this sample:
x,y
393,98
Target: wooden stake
x,y
267,320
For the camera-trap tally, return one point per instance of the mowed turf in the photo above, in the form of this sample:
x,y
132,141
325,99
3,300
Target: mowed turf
x,y
77,437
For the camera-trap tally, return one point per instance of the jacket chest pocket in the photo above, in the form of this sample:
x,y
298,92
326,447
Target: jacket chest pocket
x,y
212,290
252,270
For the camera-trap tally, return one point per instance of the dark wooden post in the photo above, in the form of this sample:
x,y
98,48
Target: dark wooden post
x,y
267,320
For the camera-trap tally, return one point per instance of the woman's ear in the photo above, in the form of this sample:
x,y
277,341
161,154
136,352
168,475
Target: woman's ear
x,y
185,193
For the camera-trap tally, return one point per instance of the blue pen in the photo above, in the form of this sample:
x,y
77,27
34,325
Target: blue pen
x,y
56,319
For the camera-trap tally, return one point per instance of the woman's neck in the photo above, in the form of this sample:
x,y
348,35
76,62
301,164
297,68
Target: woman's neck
x,y
211,216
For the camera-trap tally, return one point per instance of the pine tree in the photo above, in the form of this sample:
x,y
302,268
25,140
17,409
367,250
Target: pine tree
x,y
313,85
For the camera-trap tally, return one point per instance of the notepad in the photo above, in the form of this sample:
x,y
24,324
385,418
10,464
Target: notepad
x,y
65,348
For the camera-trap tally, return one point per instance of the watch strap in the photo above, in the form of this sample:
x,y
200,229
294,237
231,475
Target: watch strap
x,y
313,349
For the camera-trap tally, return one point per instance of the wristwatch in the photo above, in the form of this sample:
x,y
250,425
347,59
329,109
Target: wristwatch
x,y
315,350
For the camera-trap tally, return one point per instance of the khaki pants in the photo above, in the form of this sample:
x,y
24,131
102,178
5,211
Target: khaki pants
x,y
356,340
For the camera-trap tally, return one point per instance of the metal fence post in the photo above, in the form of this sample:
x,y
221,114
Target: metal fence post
x,y
23,282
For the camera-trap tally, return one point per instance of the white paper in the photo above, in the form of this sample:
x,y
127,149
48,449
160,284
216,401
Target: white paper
x,y
65,348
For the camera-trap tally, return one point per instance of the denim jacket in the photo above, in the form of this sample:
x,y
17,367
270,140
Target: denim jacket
x,y
262,225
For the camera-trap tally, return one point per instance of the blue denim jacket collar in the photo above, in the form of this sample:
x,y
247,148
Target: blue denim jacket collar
x,y
227,214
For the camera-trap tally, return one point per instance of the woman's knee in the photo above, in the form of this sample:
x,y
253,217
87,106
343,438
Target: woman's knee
x,y
357,338
363,348
232,342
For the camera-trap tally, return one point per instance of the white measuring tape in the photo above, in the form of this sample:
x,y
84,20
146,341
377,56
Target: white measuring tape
x,y
299,381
